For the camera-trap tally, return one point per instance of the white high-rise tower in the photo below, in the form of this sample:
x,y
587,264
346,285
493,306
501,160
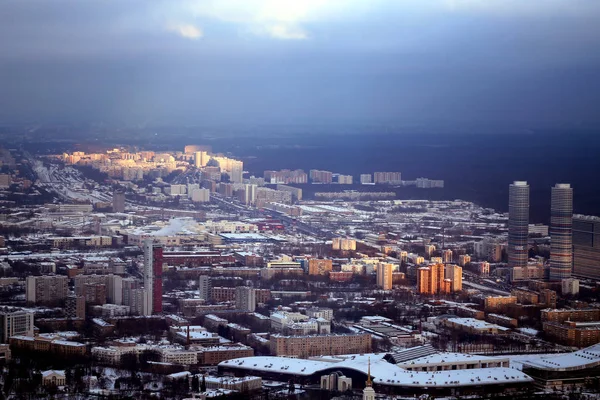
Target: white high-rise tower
x,y
148,273
518,224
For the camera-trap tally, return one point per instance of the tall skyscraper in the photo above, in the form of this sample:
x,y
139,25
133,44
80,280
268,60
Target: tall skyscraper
x,y
518,224
157,262
153,258
561,232
148,267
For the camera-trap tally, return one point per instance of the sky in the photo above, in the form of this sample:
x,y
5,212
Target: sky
x,y
528,63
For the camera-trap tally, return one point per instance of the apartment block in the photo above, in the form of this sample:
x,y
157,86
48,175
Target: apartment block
x,y
48,289
309,346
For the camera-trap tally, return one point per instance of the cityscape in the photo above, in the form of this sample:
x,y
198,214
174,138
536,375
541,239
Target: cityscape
x,y
299,199
128,273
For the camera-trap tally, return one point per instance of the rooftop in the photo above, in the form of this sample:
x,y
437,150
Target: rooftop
x,y
383,372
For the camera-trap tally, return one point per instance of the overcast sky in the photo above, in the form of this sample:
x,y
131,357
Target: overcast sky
x,y
524,62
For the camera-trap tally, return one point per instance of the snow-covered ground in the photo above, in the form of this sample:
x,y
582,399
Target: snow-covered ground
x,y
67,182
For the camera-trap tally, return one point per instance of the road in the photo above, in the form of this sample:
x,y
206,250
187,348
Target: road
x,y
485,288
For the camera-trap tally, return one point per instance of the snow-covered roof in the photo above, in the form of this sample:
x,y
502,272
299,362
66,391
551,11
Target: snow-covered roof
x,y
383,372
448,358
51,372
477,324
581,359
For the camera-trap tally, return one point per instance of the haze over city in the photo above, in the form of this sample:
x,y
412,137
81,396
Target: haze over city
x,y
512,63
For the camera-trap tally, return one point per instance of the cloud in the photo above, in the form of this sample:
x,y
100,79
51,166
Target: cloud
x,y
187,31
279,19
286,32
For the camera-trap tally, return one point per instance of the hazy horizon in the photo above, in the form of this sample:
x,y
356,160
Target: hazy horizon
x,y
184,62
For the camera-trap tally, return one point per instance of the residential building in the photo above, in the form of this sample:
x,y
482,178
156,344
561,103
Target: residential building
x,y
577,315
430,280
325,313
572,333
95,293
454,273
118,204
245,298
387,177
213,355
366,179
317,176
201,195
447,256
527,273
75,307
489,250
204,287
344,179
286,176
265,195
498,303
296,192
318,345
384,276
114,289
464,259
570,286
344,244
46,289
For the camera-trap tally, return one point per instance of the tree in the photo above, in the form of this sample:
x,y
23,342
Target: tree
x,y
195,384
129,361
203,384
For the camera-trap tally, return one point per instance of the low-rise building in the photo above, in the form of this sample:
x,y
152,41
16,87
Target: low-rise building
x,y
474,326
571,333
240,384
307,346
498,303
54,378
213,355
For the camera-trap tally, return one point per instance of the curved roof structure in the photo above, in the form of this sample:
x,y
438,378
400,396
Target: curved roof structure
x,y
578,360
382,372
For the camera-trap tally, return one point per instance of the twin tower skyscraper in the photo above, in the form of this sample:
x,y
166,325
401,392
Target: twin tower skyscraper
x,y
561,228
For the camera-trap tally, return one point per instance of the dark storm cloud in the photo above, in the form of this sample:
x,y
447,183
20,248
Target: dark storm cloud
x,y
398,61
